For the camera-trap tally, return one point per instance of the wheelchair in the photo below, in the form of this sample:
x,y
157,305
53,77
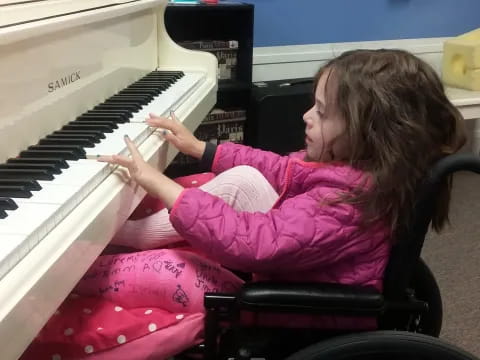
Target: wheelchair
x,y
408,311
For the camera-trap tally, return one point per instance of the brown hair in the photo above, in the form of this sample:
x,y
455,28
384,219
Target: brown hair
x,y
398,123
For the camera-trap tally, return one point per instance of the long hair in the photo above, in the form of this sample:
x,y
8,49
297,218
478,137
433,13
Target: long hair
x,y
398,123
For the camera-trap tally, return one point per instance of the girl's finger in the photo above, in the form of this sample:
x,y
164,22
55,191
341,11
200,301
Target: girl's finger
x,y
171,138
159,123
136,156
116,160
171,123
105,158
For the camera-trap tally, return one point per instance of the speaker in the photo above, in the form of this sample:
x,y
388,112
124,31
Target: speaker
x,y
275,116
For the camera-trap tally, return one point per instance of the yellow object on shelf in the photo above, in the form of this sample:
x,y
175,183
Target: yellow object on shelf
x,y
461,61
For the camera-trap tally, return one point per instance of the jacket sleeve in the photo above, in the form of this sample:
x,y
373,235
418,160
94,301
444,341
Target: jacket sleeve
x,y
296,237
271,165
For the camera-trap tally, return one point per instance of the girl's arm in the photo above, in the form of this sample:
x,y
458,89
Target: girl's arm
x,y
299,235
223,157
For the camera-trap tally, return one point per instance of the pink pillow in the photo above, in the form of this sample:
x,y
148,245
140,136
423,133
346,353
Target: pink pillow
x,y
150,205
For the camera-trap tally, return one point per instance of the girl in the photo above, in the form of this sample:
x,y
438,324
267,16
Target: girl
x,y
327,213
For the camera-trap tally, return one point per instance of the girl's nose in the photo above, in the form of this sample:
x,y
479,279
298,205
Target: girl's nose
x,y
307,117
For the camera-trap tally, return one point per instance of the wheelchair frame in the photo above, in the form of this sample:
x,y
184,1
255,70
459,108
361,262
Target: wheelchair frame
x,y
404,305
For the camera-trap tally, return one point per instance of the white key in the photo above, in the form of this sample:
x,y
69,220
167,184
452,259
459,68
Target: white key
x,y
81,172
32,220
49,194
66,196
171,98
13,248
73,184
114,143
38,215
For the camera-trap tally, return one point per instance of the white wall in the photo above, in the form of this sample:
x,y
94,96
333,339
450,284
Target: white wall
x,y
299,61
285,62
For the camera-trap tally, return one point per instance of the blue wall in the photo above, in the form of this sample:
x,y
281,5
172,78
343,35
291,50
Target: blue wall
x,y
294,22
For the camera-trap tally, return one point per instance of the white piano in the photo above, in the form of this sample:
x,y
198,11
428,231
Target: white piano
x,y
60,59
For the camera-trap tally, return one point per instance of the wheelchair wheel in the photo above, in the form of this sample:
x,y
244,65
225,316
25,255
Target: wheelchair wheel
x,y
382,345
426,289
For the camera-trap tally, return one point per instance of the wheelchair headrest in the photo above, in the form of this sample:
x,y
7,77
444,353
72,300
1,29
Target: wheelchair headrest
x,y
406,252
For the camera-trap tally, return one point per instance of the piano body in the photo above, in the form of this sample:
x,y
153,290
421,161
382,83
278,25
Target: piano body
x,y
63,63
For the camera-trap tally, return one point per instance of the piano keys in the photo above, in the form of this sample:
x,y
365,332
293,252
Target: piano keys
x,y
156,92
73,83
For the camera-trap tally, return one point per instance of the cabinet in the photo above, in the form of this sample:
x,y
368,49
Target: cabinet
x,y
203,26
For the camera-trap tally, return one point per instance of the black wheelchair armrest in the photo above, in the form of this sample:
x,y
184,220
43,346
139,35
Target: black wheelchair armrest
x,y
334,299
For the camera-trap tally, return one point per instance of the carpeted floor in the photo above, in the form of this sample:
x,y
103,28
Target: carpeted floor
x,y
454,257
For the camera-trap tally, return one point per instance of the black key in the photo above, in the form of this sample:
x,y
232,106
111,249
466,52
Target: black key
x,y
31,185
110,124
102,128
117,111
15,192
25,174
102,118
98,134
126,100
52,169
150,83
7,204
3,214
132,107
156,78
76,149
139,97
111,113
64,154
122,100
166,74
61,141
154,92
91,138
133,97
127,107
147,82
140,89
58,162
136,94
160,76
162,85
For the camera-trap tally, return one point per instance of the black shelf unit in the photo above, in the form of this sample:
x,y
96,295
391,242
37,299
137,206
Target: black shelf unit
x,y
226,21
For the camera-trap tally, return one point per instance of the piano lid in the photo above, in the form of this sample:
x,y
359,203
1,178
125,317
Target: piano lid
x,y
20,21
20,12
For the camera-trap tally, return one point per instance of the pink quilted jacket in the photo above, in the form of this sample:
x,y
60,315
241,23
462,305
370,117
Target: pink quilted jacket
x,y
299,239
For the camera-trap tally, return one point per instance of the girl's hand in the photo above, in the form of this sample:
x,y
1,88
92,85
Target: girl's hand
x,y
178,135
145,175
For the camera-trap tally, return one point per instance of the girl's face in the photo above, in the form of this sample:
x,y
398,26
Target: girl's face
x,y
325,140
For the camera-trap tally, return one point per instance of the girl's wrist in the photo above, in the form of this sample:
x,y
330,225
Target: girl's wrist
x,y
198,149
165,189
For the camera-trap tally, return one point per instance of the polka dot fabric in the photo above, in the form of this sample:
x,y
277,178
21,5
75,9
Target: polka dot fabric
x,y
150,205
113,324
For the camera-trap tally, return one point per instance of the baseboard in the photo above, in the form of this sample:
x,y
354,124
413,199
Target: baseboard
x,y
298,61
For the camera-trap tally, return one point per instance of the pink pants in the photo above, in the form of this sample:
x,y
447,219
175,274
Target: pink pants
x,y
148,304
